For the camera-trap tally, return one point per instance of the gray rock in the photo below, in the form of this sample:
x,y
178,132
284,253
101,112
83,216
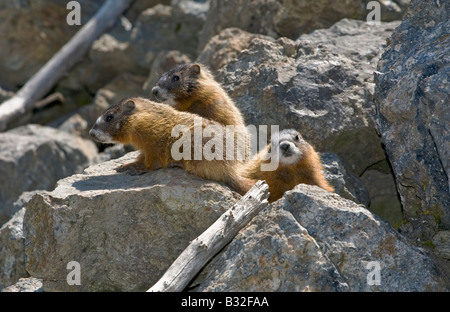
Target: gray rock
x,y
412,92
32,33
311,240
226,46
165,28
12,244
278,18
108,58
384,199
12,250
123,230
28,284
345,183
273,253
35,157
441,242
351,237
137,7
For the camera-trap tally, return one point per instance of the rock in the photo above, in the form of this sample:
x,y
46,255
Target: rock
x,y
12,244
345,183
412,96
316,86
441,242
277,18
32,33
226,46
273,253
29,284
311,240
12,250
384,199
35,157
123,230
108,58
165,28
137,7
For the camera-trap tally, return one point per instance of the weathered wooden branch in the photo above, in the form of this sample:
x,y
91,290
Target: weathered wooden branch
x,y
72,52
211,241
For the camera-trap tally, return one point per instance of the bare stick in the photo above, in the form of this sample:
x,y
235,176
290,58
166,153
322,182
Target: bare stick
x,y
73,51
211,241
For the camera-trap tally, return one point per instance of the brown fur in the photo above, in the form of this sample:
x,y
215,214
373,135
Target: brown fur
x,y
307,169
196,91
148,126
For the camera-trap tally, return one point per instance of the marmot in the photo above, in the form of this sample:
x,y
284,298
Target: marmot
x,y
192,88
149,127
297,162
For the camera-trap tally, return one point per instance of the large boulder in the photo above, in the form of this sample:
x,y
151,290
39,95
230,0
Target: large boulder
x,y
35,157
412,89
311,240
123,230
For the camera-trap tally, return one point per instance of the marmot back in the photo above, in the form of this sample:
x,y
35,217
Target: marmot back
x,y
297,161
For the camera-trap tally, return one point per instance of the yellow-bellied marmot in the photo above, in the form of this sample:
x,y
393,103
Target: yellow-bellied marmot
x,y
150,127
192,88
296,162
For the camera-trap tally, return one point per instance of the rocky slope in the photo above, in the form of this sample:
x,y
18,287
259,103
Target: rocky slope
x,y
370,98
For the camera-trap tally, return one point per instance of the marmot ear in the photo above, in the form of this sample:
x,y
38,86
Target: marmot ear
x,y
129,107
195,69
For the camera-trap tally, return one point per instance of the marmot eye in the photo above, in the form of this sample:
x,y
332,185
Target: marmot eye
x,y
296,138
175,78
109,118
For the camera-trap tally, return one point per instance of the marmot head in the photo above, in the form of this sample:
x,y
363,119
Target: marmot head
x,y
109,126
178,83
290,146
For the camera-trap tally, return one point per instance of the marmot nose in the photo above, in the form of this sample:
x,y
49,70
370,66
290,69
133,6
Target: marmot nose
x,y
155,91
284,146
